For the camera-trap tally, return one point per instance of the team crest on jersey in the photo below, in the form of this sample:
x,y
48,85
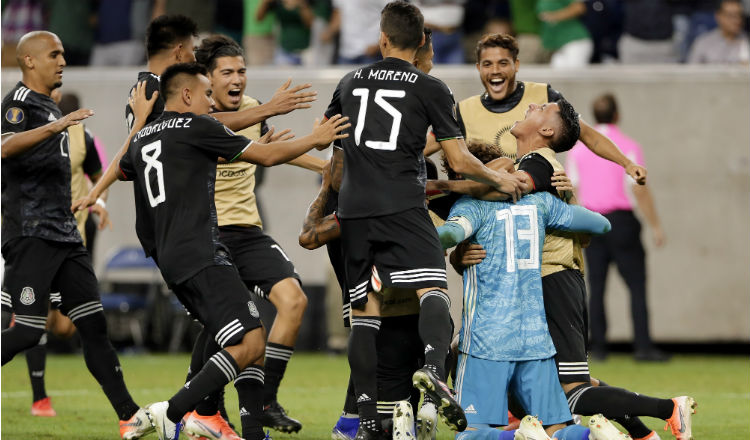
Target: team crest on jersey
x,y
14,115
253,310
27,296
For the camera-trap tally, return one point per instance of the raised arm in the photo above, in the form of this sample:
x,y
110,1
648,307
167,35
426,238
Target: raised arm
x,y
319,229
14,144
451,234
141,109
283,101
603,147
587,221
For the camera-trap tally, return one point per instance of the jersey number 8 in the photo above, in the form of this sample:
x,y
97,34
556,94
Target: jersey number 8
x,y
150,154
380,96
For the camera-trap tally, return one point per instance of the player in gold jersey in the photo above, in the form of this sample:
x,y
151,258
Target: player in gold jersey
x,y
262,263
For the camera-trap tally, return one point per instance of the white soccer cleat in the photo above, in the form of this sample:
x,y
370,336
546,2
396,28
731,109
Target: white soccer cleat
x,y
136,427
681,421
530,429
602,429
165,428
403,421
427,422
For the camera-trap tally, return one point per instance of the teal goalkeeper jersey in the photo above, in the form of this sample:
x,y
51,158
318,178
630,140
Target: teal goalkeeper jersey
x,y
503,309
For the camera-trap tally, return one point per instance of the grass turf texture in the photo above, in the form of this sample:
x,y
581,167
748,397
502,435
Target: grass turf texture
x,y
314,386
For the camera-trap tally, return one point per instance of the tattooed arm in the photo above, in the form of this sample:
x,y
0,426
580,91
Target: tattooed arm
x,y
318,229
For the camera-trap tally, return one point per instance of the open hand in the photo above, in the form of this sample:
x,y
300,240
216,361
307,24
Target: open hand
x,y
83,203
284,100
74,118
272,136
330,130
138,102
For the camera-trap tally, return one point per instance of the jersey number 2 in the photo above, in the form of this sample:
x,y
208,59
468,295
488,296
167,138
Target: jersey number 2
x,y
380,96
150,154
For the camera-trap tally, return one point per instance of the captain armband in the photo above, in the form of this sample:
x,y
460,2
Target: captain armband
x,y
464,223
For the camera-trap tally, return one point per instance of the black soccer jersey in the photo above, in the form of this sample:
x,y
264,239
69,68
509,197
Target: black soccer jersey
x,y
172,162
390,105
36,184
152,85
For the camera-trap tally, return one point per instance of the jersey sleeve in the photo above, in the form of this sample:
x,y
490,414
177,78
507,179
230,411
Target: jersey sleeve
x,y
460,119
217,139
126,165
540,171
91,162
467,213
334,107
15,117
560,215
441,111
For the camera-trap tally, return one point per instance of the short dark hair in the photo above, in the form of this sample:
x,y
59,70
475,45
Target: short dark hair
x,y
504,41
427,41
570,128
403,24
165,31
216,46
483,151
605,109
170,77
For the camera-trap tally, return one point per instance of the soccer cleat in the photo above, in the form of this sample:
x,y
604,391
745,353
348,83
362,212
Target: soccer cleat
x,y
427,422
403,421
681,420
165,428
137,426
274,417
530,428
43,408
213,427
450,411
651,436
345,429
366,434
602,429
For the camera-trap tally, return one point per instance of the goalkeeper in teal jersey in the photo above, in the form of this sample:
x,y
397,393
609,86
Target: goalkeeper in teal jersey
x,y
504,342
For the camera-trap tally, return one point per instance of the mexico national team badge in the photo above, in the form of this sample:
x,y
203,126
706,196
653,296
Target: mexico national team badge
x,y
253,310
14,115
27,296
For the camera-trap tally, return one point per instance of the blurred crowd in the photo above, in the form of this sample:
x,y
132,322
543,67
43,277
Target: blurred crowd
x,y
562,33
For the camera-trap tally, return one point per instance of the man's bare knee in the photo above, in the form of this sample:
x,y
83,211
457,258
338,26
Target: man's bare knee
x,y
289,298
250,350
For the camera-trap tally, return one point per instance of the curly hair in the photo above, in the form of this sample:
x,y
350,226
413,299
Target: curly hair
x,y
481,150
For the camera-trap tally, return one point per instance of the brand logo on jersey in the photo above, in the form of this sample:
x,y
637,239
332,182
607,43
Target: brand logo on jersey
x,y
428,348
231,173
253,310
243,412
51,118
470,409
14,115
27,296
363,398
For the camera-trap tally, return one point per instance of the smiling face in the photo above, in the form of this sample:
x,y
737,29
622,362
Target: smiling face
x,y
497,70
228,80
542,119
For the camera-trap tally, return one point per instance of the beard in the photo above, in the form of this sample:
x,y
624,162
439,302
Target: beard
x,y
57,85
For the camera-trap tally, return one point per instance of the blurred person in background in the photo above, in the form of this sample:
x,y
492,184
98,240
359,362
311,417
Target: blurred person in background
x,y
603,19
257,35
202,12
648,33
229,18
564,34
358,24
115,43
322,44
295,18
479,16
18,18
74,22
527,26
727,44
444,17
604,187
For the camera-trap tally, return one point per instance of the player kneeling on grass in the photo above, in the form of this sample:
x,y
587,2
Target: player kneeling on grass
x,y
504,341
172,162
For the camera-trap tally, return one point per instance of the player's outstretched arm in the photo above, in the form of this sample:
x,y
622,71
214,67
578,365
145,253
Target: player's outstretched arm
x,y
318,229
603,147
275,153
14,144
465,164
141,109
591,222
283,101
451,234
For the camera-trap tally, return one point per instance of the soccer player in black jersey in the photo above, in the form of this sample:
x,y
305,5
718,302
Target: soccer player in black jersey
x,y
172,162
42,248
384,221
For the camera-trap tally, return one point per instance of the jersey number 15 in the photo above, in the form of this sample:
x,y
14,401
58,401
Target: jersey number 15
x,y
380,96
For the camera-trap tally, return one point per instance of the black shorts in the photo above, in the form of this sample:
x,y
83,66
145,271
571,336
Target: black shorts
x,y
34,267
400,354
217,297
567,319
397,250
259,259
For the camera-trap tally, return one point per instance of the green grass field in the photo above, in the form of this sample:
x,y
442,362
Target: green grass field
x,y
313,392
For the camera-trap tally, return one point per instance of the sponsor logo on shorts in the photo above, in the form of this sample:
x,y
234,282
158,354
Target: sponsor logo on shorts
x,y
14,115
27,296
253,310
470,409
